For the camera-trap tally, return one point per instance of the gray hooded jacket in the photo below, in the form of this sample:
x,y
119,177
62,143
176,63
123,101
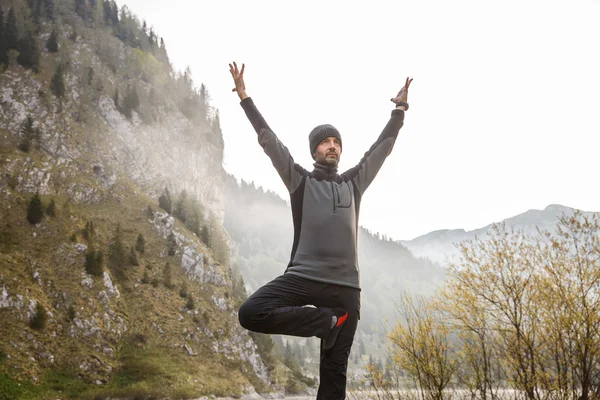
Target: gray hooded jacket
x,y
325,205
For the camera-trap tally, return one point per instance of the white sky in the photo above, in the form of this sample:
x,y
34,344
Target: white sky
x,y
504,107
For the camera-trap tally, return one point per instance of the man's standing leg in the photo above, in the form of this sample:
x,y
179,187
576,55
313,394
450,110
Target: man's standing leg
x,y
334,361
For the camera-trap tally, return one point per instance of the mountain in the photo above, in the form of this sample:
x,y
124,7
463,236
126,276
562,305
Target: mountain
x,y
440,246
115,273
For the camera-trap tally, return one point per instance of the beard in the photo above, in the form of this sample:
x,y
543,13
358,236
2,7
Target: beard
x,y
332,161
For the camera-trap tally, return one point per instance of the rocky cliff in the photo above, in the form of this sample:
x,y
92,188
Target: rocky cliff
x,y
158,318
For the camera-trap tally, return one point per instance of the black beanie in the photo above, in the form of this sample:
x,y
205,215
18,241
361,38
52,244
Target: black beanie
x,y
320,133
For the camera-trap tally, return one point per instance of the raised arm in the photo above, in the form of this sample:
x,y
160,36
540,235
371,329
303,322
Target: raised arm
x,y
290,172
365,171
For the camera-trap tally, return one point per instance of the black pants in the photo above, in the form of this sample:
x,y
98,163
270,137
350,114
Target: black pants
x,y
278,308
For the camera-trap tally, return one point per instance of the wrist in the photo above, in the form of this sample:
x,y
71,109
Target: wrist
x,y
243,95
402,105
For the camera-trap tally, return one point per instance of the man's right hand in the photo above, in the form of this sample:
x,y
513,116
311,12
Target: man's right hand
x,y
238,78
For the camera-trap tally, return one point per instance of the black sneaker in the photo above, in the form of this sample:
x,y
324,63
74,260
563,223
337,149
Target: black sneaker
x,y
342,316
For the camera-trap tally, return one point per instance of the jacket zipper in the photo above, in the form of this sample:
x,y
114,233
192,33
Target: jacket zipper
x,y
332,192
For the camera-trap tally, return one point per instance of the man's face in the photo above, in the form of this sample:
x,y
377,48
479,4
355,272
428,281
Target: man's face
x,y
328,152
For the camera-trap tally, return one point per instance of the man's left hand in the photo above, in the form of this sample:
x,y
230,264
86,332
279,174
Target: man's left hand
x,y
403,93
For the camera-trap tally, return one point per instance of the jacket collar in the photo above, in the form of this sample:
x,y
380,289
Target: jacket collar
x,y
325,171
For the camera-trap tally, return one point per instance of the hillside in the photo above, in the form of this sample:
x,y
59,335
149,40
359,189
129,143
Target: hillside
x,y
115,277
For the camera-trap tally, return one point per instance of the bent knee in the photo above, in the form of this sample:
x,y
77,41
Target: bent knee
x,y
246,316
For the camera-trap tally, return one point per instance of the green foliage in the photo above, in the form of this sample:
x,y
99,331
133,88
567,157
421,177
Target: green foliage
x,y
191,304
131,102
51,210
89,230
133,260
183,292
116,99
189,211
25,145
180,207
90,76
8,240
57,84
205,235
73,237
155,281
145,278
93,262
11,389
52,42
11,30
3,43
35,211
117,254
28,134
171,244
149,212
71,313
11,181
140,244
164,201
167,277
29,52
264,344
218,242
38,321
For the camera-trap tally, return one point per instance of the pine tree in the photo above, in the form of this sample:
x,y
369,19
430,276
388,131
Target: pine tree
x,y
117,253
3,44
205,235
116,98
93,262
90,76
171,244
57,85
38,321
49,8
11,31
180,207
133,260
140,244
164,201
35,211
36,12
145,278
183,292
167,278
51,210
149,212
81,9
190,302
29,52
28,133
88,231
52,42
131,102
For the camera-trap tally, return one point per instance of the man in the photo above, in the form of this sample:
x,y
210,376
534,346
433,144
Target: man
x,y
323,268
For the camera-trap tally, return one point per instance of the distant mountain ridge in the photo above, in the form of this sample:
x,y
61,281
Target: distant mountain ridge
x,y
438,244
